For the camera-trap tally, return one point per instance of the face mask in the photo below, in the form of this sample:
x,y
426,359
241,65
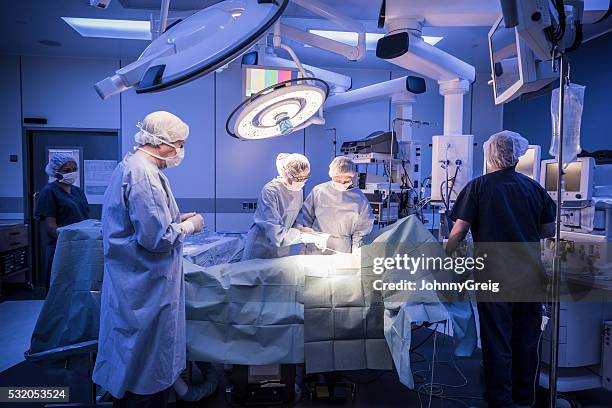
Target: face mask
x,y
177,158
341,186
296,185
68,178
170,161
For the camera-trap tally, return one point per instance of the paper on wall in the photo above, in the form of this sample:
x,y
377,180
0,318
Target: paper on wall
x,y
97,176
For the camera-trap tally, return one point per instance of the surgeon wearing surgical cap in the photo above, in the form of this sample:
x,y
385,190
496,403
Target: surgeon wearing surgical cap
x,y
278,207
141,346
339,209
60,202
508,213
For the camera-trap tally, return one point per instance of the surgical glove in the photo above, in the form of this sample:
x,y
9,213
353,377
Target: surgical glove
x,y
304,229
322,242
309,238
186,216
192,225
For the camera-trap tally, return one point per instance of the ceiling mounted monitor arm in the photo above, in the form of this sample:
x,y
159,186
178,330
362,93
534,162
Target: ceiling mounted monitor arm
x,y
352,53
403,45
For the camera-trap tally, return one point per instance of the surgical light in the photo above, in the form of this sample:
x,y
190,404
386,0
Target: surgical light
x,y
108,28
200,44
350,38
278,110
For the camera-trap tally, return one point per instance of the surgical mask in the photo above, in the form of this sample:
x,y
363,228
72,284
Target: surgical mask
x,y
170,161
68,178
296,185
341,186
176,159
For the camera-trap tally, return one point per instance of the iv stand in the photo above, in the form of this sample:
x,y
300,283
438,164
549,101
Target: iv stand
x,y
556,271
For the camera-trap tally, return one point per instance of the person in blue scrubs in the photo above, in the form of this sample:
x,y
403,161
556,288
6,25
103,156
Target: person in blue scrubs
x,y
142,345
274,230
508,213
60,202
339,209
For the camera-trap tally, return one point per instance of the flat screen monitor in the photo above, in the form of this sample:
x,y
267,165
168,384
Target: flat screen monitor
x,y
255,77
577,179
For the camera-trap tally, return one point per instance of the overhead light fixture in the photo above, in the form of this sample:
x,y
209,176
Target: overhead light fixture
x,y
350,38
198,45
107,28
279,109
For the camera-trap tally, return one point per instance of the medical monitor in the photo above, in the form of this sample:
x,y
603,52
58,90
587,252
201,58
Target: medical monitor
x,y
515,68
577,179
256,77
528,164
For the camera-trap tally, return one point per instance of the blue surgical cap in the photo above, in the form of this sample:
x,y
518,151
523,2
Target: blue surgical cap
x,y
57,161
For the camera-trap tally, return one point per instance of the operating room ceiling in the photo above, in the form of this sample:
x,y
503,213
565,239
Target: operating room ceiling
x,y
35,27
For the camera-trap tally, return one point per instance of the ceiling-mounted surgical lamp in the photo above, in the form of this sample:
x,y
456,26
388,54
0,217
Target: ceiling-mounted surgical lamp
x,y
297,103
196,46
282,108
278,110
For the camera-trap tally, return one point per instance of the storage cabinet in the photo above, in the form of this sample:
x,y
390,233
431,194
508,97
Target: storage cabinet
x,y
14,264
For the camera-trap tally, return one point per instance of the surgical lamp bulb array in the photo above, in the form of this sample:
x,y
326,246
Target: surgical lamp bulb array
x,y
278,110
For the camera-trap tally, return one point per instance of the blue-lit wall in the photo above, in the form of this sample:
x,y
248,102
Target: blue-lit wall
x,y
219,173
590,66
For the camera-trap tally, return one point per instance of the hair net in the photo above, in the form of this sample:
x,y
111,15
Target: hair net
x,y
503,149
161,126
292,165
57,161
341,166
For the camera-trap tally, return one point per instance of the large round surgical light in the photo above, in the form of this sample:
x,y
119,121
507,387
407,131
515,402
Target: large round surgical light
x,y
278,110
196,46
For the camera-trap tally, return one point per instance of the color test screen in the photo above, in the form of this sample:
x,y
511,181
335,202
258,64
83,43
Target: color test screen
x,y
257,79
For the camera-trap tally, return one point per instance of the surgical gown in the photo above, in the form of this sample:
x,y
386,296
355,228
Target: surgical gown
x,y
142,343
345,215
272,231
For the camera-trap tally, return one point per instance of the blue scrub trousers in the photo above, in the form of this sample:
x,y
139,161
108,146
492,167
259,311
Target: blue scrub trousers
x,y
510,334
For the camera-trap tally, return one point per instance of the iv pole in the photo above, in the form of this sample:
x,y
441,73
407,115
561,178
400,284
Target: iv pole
x,y
556,271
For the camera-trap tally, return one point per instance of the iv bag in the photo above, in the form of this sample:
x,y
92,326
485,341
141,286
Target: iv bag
x,y
572,114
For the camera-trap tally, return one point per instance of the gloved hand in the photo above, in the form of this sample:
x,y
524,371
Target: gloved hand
x,y
186,216
308,238
305,229
320,240
193,224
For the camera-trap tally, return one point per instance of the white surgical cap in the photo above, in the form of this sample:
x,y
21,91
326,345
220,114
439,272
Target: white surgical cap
x,y
341,166
292,165
161,126
503,149
57,161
